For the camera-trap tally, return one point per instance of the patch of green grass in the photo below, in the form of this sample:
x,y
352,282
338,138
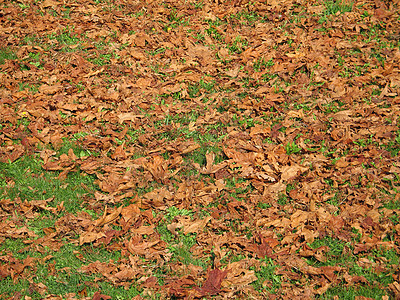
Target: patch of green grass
x,y
31,183
297,16
282,199
391,255
344,292
268,77
267,280
33,59
263,205
243,121
292,148
197,4
32,40
6,53
156,51
66,12
199,155
238,45
212,30
208,139
173,212
203,86
337,199
45,220
24,180
182,252
338,255
15,246
33,88
174,21
70,143
261,64
241,185
374,32
392,204
179,244
102,59
333,7
362,143
66,38
333,106
393,146
335,254
371,275
182,118
65,277
246,17
237,188
23,6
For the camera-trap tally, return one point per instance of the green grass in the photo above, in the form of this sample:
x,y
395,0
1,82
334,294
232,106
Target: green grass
x,y
333,7
6,53
61,274
292,148
267,280
343,292
394,145
180,244
24,180
338,253
33,88
246,17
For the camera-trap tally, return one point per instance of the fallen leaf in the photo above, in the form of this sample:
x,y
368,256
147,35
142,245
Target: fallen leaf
x,y
291,172
212,285
89,237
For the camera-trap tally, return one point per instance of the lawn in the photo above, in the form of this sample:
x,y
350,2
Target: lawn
x,y
199,149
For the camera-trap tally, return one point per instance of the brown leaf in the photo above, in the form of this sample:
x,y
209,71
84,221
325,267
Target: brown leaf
x,y
140,39
99,296
190,148
11,153
119,153
108,218
344,115
196,226
210,168
49,90
127,273
4,271
291,172
141,248
130,212
49,3
212,285
129,117
158,168
238,275
88,237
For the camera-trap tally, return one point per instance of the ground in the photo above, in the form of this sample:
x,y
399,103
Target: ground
x,y
199,149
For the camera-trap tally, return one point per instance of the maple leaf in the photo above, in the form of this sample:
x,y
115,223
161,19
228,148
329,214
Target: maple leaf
x,y
212,285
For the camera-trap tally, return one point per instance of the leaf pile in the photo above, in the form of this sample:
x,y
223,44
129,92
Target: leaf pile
x,y
234,144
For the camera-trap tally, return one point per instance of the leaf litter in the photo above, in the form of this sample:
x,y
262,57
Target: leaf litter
x,y
250,131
